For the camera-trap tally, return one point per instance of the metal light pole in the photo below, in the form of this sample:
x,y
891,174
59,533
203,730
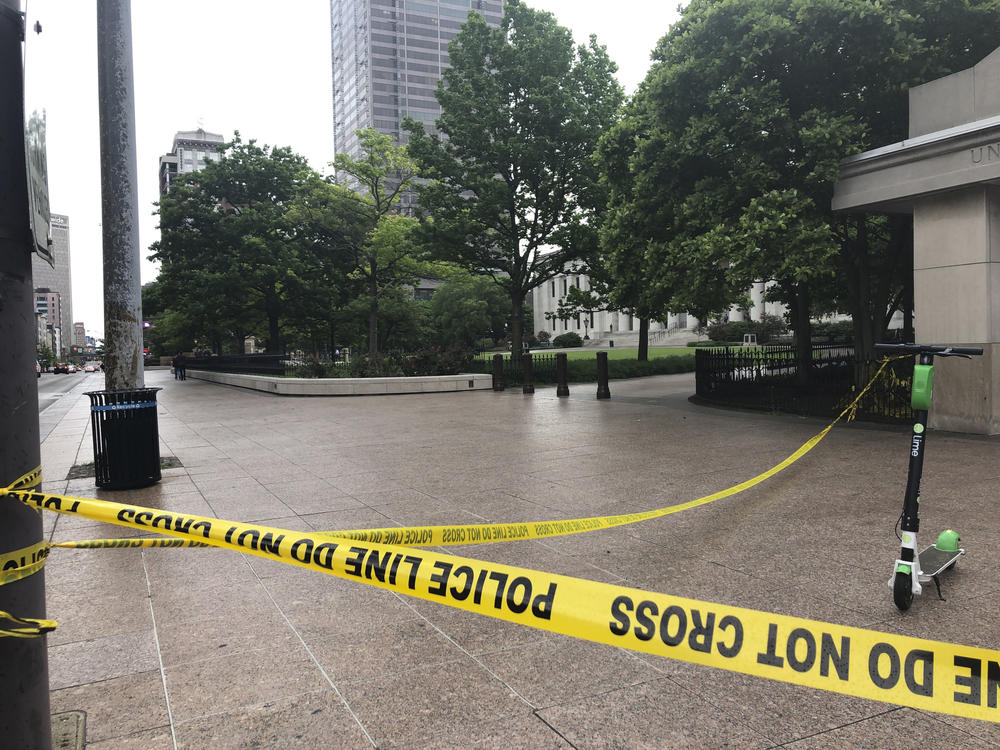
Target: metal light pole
x,y
119,198
24,677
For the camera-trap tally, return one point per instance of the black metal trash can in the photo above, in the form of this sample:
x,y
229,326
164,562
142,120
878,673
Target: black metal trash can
x,y
126,438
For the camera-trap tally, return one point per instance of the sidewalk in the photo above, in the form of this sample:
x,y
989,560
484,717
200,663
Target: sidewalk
x,y
192,648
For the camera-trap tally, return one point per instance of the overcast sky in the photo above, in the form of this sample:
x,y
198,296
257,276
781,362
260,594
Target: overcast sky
x,y
257,66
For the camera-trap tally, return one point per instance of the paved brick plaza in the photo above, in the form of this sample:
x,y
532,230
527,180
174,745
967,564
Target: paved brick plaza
x,y
169,648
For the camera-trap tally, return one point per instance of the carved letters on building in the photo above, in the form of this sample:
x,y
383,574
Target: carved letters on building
x,y
985,154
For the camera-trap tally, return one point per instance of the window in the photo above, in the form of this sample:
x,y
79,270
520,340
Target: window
x,y
564,287
553,289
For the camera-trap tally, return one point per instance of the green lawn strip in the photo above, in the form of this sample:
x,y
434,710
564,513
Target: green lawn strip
x,y
571,354
654,353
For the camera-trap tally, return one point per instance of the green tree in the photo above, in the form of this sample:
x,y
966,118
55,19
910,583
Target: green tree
x,y
330,225
227,249
44,355
512,189
723,169
466,310
388,257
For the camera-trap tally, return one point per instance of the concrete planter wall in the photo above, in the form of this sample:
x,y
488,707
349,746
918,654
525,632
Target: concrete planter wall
x,y
348,386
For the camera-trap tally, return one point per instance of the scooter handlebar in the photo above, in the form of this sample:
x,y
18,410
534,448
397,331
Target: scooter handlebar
x,y
941,351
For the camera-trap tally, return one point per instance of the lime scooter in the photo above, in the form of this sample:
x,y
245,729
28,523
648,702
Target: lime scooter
x,y
913,568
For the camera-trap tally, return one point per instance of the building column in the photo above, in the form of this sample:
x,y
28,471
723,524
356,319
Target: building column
x,y
757,310
956,275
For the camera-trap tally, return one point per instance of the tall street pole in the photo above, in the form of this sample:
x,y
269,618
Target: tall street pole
x,y
24,674
119,198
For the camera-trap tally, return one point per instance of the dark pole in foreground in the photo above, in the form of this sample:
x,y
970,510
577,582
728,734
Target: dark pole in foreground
x,y
119,198
602,376
562,387
24,674
498,384
528,372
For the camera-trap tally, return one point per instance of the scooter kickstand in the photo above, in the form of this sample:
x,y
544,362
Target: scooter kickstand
x,y
937,583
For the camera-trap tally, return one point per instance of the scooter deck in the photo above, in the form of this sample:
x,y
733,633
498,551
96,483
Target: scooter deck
x,y
934,561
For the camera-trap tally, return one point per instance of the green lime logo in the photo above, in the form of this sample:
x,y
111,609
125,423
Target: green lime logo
x,y
918,428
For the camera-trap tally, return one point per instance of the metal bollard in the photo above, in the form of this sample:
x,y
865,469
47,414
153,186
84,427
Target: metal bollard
x,y
562,387
528,385
498,384
602,376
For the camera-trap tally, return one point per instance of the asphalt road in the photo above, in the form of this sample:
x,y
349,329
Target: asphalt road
x,y
52,387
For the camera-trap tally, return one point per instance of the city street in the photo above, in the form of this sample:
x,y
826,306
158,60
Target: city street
x,y
52,387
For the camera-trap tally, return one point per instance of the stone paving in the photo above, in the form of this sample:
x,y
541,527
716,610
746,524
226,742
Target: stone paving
x,y
189,648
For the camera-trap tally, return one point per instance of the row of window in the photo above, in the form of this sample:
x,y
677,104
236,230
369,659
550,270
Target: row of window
x,y
406,102
565,286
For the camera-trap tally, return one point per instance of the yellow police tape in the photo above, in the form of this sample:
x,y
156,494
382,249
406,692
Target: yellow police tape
x,y
924,674
23,627
914,672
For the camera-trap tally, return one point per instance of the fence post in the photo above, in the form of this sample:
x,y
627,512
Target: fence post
x,y
498,372
602,376
528,386
562,387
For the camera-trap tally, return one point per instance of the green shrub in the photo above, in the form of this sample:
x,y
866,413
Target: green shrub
x,y
379,366
839,331
543,336
438,361
585,370
311,368
766,329
567,340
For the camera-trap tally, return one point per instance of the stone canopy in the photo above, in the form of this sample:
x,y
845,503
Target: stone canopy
x,y
947,175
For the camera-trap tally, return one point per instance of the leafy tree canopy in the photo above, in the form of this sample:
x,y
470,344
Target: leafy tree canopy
x,y
510,172
722,171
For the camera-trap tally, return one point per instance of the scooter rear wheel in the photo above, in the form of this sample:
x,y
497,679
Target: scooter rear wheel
x,y
902,591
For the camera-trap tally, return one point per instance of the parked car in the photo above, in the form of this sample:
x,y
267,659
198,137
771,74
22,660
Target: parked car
x,y
71,367
90,367
60,367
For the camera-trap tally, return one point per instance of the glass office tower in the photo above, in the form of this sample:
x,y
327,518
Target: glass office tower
x,y
387,59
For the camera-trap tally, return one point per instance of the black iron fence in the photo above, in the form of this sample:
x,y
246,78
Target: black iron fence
x,y
543,368
250,364
767,378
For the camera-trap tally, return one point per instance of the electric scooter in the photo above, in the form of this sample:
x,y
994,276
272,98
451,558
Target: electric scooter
x,y
912,568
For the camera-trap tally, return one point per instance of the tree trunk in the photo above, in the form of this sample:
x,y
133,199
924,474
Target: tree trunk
x,y
908,331
273,328
373,315
803,335
516,324
643,354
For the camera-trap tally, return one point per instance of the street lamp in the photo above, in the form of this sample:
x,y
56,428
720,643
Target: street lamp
x,y
586,324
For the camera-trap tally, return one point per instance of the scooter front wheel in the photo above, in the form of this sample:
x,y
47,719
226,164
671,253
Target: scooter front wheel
x,y
902,591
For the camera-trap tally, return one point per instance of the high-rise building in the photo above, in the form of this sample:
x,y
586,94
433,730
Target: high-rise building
x,y
387,58
79,336
54,288
192,149
48,311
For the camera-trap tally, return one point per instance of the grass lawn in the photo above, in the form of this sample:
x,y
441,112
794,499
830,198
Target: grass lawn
x,y
654,352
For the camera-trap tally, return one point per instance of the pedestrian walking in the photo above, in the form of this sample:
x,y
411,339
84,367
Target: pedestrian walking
x,y
179,366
